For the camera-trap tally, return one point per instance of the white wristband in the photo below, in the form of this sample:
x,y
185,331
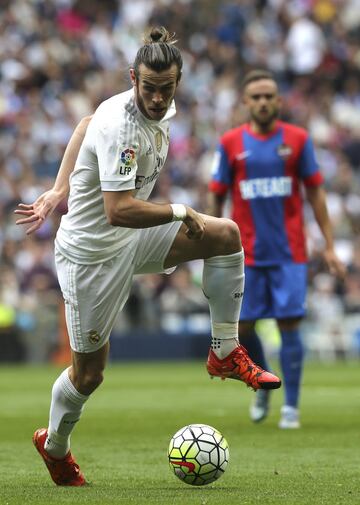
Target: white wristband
x,y
179,211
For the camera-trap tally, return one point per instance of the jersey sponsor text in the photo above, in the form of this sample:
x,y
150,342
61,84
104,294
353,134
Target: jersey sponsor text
x,y
266,187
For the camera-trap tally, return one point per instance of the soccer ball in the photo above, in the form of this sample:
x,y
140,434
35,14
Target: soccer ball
x,y
198,454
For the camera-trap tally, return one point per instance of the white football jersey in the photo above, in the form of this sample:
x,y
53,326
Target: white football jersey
x,y
122,150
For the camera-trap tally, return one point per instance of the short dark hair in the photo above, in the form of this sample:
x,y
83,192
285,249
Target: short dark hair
x,y
158,52
256,75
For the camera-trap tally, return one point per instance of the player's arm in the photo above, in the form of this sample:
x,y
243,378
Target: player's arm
x,y
122,209
47,202
215,204
219,183
317,198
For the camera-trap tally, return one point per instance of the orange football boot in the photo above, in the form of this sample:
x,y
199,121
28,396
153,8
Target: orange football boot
x,y
238,365
64,472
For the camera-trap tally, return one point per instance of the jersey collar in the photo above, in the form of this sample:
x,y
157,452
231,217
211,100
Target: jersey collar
x,y
265,136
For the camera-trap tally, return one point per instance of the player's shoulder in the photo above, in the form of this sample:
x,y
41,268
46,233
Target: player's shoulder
x,y
120,106
230,135
117,115
293,130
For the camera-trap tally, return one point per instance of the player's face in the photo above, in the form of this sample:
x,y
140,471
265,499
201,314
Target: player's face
x,y
262,101
154,91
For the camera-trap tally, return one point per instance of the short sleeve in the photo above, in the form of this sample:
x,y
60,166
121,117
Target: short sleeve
x,y
308,167
221,172
117,149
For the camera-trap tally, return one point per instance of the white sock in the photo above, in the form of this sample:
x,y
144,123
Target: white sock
x,y
223,286
65,410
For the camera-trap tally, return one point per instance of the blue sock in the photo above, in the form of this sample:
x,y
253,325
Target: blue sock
x,y
291,360
252,343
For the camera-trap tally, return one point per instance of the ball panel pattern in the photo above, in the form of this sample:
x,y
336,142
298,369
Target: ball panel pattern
x,y
198,454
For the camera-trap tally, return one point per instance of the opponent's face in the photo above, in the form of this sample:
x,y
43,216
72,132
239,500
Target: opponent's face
x,y
263,102
154,91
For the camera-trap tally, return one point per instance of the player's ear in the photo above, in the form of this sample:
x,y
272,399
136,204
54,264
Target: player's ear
x,y
132,76
178,78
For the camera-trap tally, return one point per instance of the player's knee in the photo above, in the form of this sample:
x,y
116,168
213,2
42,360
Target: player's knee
x,y
229,238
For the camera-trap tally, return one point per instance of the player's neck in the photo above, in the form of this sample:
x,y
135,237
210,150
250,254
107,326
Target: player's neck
x,y
261,129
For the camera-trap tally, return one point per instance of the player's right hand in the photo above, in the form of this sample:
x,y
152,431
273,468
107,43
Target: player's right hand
x,y
195,224
38,211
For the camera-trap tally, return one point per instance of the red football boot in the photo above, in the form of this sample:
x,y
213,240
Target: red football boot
x,y
64,472
238,365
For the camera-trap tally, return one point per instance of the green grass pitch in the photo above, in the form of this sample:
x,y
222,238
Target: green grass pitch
x,y
121,442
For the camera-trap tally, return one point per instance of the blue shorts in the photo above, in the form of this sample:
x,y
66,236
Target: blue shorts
x,y
276,292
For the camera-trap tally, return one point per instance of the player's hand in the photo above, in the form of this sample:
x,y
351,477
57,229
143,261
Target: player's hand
x,y
38,211
195,224
335,266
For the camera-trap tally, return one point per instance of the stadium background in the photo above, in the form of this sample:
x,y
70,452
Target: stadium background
x,y
59,59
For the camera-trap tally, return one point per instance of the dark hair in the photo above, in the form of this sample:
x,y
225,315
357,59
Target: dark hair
x,y
158,52
256,75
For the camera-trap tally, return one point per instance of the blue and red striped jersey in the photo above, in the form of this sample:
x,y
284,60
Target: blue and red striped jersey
x,y
264,174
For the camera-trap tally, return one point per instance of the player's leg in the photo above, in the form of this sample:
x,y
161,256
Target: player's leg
x,y
223,276
249,338
259,407
166,246
256,305
289,293
223,285
93,296
291,360
69,394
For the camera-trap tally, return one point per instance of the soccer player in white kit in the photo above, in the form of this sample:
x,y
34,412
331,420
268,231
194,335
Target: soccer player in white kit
x,y
111,233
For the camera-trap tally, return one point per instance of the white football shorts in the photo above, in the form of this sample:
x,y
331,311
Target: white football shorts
x,y
94,294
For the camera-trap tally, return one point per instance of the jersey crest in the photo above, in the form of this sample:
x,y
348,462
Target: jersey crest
x,y
284,151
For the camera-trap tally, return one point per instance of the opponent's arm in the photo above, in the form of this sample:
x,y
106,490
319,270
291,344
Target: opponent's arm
x,y
122,209
215,204
47,202
317,198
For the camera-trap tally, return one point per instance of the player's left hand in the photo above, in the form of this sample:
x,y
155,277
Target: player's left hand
x,y
335,265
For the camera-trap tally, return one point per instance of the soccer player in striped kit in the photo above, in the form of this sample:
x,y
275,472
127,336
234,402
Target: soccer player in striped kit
x,y
263,165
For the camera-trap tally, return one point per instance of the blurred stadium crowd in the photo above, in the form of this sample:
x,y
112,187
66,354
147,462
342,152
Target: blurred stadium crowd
x,y
60,58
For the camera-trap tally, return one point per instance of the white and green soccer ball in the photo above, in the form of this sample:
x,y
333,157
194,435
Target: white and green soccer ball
x,y
198,454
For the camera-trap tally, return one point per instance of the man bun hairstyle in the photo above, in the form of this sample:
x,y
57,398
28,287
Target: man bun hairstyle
x,y
158,52
256,75
159,34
